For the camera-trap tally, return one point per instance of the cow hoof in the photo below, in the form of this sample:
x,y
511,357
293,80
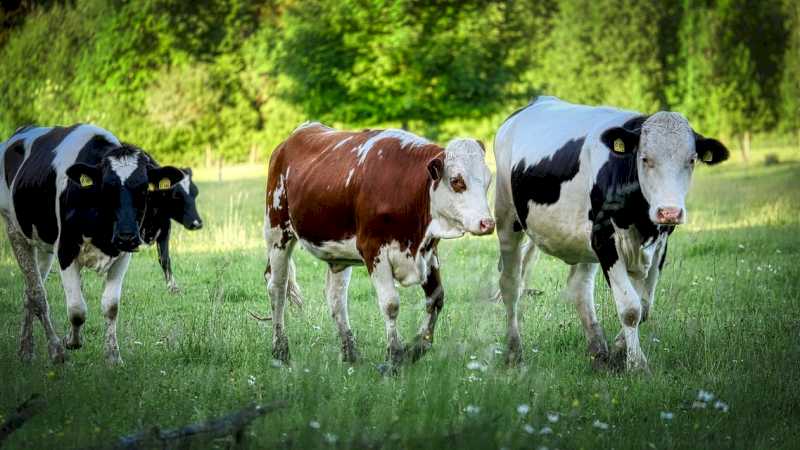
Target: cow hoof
x,y
598,353
25,352
113,358
419,348
280,348
173,289
388,370
513,357
617,359
395,356
74,340
56,352
531,292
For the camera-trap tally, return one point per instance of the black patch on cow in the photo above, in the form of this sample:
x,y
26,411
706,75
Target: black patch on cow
x,y
663,257
34,193
616,196
542,181
15,154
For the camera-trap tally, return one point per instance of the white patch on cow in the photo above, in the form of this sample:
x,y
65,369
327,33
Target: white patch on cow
x,y
638,257
276,195
93,258
349,175
185,182
67,151
342,142
343,251
308,124
407,140
123,166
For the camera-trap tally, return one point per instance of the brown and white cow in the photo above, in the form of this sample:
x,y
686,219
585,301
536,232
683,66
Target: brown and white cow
x,y
382,198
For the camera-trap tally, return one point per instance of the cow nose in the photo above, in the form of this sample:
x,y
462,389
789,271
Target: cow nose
x,y
127,241
486,226
669,216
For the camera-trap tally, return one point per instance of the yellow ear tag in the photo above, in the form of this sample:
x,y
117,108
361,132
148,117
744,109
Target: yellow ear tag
x,y
619,145
86,181
707,156
164,183
151,187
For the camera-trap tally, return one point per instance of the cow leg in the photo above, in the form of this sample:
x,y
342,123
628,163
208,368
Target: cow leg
x,y
165,261
510,260
44,261
336,292
280,253
580,289
629,309
647,287
76,305
389,304
434,301
35,299
295,294
530,258
110,304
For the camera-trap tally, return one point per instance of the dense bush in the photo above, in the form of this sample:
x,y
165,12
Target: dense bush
x,y
230,78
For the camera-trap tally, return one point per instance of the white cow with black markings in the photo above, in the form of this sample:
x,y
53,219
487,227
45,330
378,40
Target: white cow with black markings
x,y
594,186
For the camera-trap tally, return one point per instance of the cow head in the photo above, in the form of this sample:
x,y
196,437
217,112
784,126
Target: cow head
x,y
117,187
458,193
178,200
666,150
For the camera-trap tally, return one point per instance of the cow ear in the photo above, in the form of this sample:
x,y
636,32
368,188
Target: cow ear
x,y
436,169
710,151
620,141
85,175
187,171
163,178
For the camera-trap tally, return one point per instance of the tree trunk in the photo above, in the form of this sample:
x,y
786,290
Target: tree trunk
x,y
404,124
746,146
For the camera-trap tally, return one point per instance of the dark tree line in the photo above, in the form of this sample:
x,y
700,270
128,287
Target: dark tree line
x,y
235,76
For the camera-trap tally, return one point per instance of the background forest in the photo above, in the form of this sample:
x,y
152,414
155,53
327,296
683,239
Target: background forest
x,y
198,81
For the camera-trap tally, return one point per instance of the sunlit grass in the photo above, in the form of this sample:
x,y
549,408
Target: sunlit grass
x,y
726,321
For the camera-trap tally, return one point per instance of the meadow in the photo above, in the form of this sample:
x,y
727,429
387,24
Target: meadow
x,y
726,322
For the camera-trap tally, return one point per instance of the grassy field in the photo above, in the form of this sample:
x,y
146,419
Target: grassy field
x,y
726,321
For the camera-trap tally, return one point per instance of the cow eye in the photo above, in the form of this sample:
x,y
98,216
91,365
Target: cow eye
x,y
458,184
648,162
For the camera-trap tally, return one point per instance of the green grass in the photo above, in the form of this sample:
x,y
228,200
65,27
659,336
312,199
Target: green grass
x,y
726,320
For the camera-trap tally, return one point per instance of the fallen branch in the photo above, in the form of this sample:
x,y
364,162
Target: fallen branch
x,y
199,434
21,414
259,318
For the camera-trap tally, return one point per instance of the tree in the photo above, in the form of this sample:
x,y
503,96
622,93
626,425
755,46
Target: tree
x,y
387,61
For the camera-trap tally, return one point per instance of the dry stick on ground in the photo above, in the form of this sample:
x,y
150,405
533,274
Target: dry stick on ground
x,y
21,415
198,435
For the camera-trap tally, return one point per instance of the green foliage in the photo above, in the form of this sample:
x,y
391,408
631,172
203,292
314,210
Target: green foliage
x,y
231,78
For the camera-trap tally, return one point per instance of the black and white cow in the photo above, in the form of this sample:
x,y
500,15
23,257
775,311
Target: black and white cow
x,y
593,185
80,194
167,202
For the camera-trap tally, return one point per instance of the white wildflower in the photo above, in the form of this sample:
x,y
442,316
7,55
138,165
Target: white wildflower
x,y
330,438
528,428
741,246
720,405
251,380
351,370
698,405
666,415
475,365
546,430
314,424
523,409
600,425
316,327
472,410
705,396
552,417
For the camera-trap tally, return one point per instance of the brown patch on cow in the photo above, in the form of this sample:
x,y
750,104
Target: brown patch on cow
x,y
630,317
393,308
15,154
386,200
111,314
458,184
483,147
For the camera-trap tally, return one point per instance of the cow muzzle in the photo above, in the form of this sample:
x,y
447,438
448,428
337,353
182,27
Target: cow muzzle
x,y
669,216
127,242
485,226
